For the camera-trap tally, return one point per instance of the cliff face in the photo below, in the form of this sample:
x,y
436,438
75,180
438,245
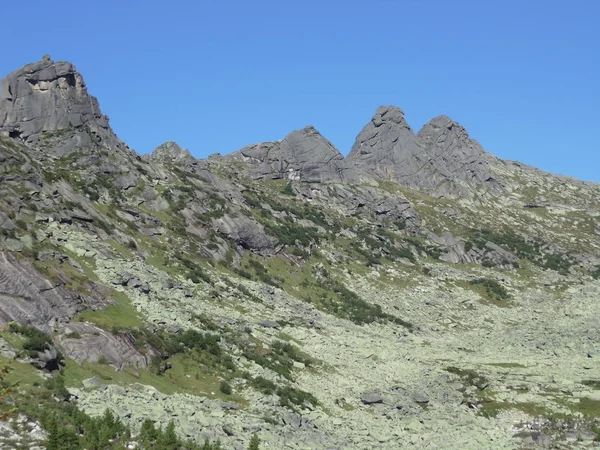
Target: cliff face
x,y
45,99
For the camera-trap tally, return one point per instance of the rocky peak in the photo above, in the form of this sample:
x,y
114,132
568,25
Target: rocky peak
x,y
386,146
171,152
304,155
442,129
45,100
451,154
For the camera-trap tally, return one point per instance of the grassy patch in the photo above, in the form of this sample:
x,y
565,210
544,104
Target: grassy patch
x,y
492,290
469,377
120,315
491,408
595,384
507,365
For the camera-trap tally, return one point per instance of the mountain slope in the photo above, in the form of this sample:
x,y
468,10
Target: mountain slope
x,y
420,292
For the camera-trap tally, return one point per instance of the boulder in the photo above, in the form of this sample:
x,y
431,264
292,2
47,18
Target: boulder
x,y
371,398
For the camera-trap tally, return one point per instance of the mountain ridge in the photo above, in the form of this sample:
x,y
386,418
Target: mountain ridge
x,y
287,292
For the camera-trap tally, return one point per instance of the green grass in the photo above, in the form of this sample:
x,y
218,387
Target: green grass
x,y
587,407
22,374
507,365
594,384
492,408
185,376
121,315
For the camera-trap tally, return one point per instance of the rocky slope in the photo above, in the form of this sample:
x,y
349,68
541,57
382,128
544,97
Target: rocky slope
x,y
420,293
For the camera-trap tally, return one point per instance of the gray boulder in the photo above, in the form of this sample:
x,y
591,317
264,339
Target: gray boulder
x,y
86,342
304,155
371,398
245,232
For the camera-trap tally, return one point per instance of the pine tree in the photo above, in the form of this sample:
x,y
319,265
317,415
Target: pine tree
x,y
254,442
148,434
53,441
169,439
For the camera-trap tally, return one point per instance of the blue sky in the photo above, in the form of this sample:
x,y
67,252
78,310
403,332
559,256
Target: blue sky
x,y
523,76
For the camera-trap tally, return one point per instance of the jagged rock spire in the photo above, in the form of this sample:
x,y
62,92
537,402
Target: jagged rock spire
x,y
386,146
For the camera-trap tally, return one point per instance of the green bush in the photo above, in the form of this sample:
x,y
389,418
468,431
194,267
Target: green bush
x,y
263,385
225,388
558,262
291,397
493,289
36,340
469,377
288,189
254,443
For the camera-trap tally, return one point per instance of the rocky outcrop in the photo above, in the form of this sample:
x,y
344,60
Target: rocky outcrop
x,y
304,155
29,298
85,342
364,200
172,152
452,157
387,147
46,103
247,233
441,159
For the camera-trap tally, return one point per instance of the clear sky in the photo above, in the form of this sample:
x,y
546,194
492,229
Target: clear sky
x,y
523,76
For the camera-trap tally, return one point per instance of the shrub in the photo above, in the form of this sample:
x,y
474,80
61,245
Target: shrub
x,y
558,262
470,377
36,340
288,189
493,289
263,385
254,442
225,388
290,397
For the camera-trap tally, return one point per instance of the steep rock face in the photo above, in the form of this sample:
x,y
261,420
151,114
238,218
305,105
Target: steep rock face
x,y
387,147
46,103
441,159
451,155
30,298
304,155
